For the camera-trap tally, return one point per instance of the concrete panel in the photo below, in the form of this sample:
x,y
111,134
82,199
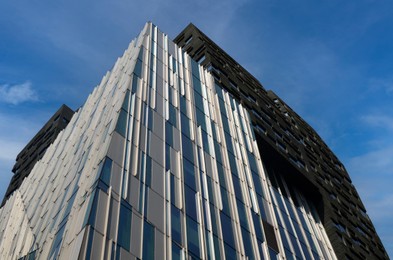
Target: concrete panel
x,y
101,216
157,182
155,210
159,244
116,178
136,234
116,148
156,149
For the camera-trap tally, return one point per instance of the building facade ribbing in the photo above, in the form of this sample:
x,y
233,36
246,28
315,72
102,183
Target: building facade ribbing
x,y
164,161
293,150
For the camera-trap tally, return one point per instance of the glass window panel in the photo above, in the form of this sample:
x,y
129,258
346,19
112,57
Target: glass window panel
x,y
295,246
148,170
167,157
228,140
176,252
242,214
174,65
195,69
106,171
305,251
176,225
173,188
238,190
272,254
185,125
257,184
197,85
172,115
205,142
284,239
192,236
134,84
198,100
227,230
225,202
209,188
289,255
183,104
221,174
249,251
253,163
126,100
148,241
217,149
189,174
230,252
122,123
201,119
216,247
138,68
262,207
150,120
190,202
124,235
258,228
169,133
93,211
298,232
187,147
213,218
232,162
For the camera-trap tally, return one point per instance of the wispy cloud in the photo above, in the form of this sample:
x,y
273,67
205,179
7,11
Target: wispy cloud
x,y
375,120
19,93
12,140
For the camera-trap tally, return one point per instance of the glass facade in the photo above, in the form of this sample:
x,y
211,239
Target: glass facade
x,y
177,176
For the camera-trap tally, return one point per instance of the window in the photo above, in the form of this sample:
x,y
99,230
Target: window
x,y
226,226
192,236
124,235
176,225
148,241
189,174
122,123
138,67
190,202
106,171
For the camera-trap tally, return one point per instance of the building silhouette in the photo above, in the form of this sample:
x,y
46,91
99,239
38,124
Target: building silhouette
x,y
36,148
179,153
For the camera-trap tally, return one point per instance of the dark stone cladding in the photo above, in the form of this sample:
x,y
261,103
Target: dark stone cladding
x,y
288,144
36,148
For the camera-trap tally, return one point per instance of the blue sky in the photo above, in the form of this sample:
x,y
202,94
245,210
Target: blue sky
x,y
331,61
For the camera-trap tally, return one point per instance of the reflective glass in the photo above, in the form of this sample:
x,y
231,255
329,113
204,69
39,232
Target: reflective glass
x,y
148,241
122,123
124,234
192,236
106,171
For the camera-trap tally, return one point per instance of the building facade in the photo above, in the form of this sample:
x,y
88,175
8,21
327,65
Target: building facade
x,y
36,148
294,151
164,161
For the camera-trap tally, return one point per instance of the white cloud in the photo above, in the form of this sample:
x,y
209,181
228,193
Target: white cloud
x,y
372,175
19,93
383,121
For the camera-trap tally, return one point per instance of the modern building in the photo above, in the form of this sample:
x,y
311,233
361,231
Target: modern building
x,y
36,148
179,153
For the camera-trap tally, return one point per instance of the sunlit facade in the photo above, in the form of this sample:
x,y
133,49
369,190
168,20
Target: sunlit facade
x,y
160,162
